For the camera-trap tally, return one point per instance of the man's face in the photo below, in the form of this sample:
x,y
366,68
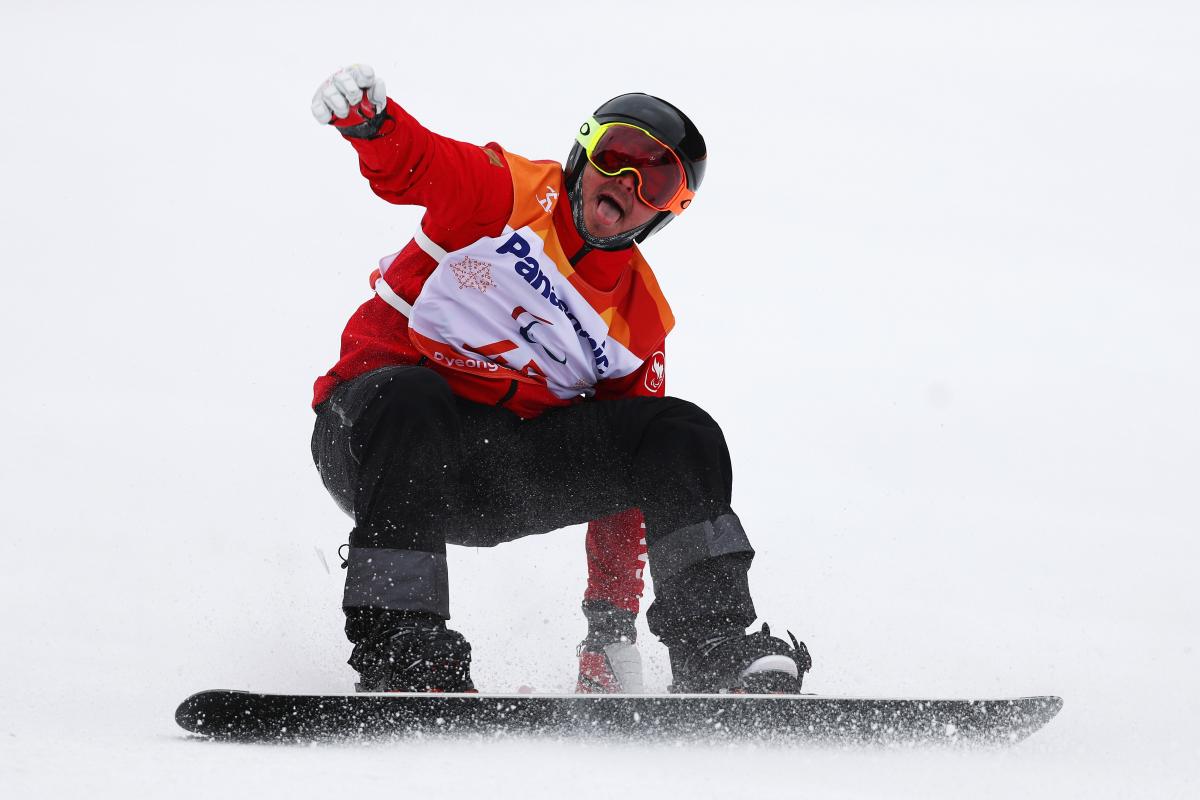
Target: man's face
x,y
611,205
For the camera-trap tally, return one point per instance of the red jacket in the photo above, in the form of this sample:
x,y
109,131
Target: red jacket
x,y
467,192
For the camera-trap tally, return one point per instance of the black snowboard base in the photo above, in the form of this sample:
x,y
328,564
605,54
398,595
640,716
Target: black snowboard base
x,y
245,716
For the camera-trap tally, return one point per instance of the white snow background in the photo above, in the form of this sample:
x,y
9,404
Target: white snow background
x,y
940,287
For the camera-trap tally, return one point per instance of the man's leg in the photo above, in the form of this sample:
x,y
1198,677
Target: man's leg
x,y
699,552
668,458
609,660
395,432
387,445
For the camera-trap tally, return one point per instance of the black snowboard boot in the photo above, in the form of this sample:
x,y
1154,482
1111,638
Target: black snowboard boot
x,y
754,663
415,656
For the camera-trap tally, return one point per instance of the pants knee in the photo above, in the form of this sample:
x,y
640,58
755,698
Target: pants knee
x,y
681,423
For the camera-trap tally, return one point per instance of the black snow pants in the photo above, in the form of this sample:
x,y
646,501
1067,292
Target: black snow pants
x,y
418,467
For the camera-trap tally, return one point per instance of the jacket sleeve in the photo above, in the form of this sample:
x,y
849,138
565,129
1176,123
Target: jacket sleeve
x,y
458,183
649,380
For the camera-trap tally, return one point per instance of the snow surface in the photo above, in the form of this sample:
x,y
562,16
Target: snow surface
x,y
940,287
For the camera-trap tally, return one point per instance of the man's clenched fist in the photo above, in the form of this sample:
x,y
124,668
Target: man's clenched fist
x,y
350,97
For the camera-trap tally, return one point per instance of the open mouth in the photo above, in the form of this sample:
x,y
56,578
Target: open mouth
x,y
608,210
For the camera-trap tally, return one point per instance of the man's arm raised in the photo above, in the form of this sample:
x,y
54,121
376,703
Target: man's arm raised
x,y
408,164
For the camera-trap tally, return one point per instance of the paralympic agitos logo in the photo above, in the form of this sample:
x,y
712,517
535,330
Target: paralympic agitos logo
x,y
527,321
528,268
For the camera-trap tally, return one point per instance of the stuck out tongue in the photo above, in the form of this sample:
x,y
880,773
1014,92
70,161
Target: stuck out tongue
x,y
608,211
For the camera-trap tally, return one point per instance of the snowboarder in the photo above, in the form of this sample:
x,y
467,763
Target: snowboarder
x,y
507,379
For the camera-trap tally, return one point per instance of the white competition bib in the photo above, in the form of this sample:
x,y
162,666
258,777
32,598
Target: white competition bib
x,y
500,307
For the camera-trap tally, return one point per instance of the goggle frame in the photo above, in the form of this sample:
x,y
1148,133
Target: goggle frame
x,y
592,131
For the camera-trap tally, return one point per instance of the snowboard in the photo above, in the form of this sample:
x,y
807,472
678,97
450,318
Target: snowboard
x,y
247,716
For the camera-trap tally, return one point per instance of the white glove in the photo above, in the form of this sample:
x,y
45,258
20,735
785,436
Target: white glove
x,y
344,89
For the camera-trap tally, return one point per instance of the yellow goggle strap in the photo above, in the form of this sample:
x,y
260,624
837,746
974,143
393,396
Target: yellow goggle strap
x,y
589,133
